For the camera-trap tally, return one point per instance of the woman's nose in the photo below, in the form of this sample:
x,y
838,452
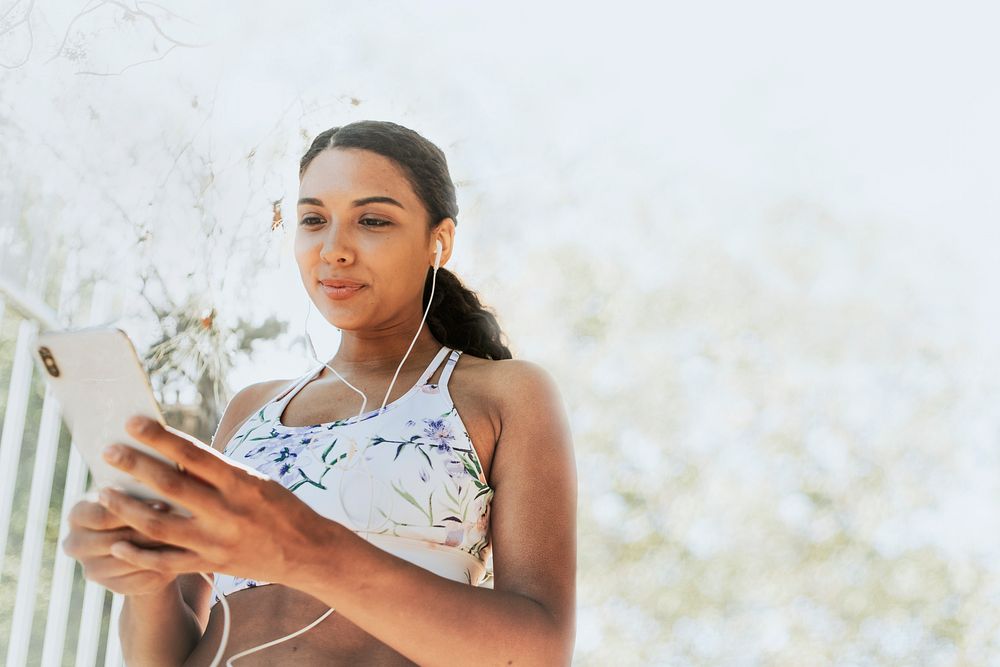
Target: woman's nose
x,y
337,245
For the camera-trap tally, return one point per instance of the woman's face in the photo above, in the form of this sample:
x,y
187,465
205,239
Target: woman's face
x,y
341,233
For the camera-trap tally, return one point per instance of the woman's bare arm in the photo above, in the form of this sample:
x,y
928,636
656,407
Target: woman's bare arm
x,y
528,618
158,628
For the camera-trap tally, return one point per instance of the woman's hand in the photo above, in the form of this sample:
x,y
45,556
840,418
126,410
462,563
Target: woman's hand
x,y
243,523
92,531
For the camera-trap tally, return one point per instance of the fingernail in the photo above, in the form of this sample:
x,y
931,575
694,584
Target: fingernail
x,y
136,423
104,497
112,453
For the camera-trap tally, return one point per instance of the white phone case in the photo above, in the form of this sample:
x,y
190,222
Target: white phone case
x,y
98,379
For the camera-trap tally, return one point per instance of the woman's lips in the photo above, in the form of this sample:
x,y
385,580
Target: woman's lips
x,y
340,293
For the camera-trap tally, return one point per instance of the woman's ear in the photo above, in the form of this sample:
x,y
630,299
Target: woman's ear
x,y
445,233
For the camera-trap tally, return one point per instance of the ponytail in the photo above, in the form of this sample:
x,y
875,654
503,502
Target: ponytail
x,y
460,321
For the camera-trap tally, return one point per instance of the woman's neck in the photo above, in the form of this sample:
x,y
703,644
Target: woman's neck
x,y
378,354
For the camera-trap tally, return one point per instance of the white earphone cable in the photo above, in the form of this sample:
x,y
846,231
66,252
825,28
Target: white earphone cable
x,y
364,463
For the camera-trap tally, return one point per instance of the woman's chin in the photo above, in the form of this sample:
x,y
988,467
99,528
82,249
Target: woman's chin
x,y
336,317
338,320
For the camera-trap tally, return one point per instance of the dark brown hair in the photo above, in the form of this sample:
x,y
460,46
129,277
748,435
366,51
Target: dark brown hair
x,y
456,317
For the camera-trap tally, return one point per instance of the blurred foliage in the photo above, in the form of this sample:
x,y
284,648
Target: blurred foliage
x,y
193,350
777,441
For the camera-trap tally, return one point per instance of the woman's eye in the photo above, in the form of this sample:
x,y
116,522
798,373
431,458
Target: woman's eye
x,y
375,222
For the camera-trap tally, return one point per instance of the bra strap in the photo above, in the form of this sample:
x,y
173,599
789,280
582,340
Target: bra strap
x,y
449,367
285,396
429,371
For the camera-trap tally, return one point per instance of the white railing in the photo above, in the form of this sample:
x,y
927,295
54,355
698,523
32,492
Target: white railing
x,y
36,315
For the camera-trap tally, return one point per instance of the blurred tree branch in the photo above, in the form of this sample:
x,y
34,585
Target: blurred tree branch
x,y
77,51
193,349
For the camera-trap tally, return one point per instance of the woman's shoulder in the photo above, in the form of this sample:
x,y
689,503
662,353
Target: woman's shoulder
x,y
257,394
243,404
497,370
531,421
504,379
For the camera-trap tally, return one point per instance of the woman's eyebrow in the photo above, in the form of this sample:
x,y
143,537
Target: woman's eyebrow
x,y
312,201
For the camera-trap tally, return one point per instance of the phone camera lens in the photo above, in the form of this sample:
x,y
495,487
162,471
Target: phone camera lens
x,y
49,361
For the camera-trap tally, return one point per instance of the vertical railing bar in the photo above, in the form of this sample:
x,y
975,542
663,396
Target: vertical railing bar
x,y
13,429
65,567
90,624
113,655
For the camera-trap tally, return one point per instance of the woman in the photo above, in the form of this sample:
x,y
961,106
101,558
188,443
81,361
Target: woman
x,y
387,516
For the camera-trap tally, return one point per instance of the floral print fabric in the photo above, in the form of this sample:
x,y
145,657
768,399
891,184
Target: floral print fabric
x,y
409,471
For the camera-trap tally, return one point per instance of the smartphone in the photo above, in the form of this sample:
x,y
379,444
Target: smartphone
x,y
98,379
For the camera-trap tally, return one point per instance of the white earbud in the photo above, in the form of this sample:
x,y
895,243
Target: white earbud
x,y
437,255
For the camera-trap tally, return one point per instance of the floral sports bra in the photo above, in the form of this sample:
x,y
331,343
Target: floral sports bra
x,y
406,478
